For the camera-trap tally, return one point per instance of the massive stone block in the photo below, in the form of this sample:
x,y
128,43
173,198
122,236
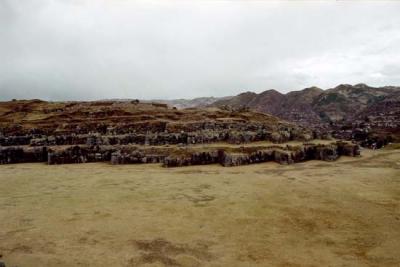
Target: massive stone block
x,y
174,156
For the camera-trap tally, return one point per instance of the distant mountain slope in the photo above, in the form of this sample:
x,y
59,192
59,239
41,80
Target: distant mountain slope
x,y
190,103
383,113
314,105
199,102
344,101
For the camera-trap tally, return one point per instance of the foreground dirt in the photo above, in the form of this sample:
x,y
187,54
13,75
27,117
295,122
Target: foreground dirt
x,y
345,213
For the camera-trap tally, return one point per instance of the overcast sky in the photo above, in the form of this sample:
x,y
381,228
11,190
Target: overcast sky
x,y
82,49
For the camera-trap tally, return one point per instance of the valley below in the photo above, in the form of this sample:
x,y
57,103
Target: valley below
x,y
314,213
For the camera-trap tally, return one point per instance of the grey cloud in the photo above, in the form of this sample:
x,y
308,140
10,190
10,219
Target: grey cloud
x,y
63,50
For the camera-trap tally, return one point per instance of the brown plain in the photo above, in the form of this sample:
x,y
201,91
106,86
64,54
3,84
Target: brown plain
x,y
345,213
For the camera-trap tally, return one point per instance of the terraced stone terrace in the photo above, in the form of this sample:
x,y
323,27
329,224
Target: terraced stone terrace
x,y
134,132
175,156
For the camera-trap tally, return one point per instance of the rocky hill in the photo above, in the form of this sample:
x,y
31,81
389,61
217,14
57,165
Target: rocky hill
x,y
345,101
313,105
123,132
344,106
135,122
181,103
198,102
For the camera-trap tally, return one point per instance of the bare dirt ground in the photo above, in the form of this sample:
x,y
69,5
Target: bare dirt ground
x,y
345,213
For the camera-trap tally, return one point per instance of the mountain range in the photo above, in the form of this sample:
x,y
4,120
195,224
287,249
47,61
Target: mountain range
x,y
344,103
343,107
344,111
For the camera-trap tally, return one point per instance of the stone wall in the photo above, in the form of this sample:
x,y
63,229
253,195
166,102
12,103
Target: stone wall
x,y
19,155
189,133
175,156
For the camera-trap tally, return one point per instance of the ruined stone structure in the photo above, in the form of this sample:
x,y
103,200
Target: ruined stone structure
x,y
177,156
133,132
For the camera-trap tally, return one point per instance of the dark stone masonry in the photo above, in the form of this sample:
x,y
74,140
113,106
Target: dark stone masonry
x,y
176,156
135,133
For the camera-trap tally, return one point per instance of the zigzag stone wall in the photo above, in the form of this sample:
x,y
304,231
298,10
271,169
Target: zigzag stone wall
x,y
175,156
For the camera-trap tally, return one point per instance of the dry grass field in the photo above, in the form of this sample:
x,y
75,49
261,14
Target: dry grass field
x,y
345,213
